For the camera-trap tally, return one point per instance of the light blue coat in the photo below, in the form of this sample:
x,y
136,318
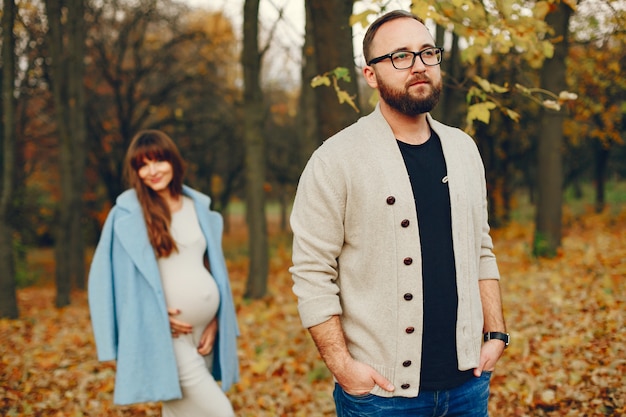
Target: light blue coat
x,y
128,310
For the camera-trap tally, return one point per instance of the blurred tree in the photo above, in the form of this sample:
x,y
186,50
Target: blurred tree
x,y
255,151
35,144
452,106
284,149
37,181
157,65
548,215
498,29
333,49
134,73
8,297
210,111
308,132
596,65
504,144
67,45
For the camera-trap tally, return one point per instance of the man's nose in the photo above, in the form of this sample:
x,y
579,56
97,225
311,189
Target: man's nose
x,y
418,65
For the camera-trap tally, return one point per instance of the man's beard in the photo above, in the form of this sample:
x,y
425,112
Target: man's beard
x,y
405,103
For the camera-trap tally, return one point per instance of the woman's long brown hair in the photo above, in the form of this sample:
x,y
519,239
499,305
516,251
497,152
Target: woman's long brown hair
x,y
155,145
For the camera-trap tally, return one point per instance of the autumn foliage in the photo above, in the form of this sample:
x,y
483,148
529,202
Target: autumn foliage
x,y
566,317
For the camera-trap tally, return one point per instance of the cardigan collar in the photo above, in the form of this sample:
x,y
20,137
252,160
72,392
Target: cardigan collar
x,y
376,129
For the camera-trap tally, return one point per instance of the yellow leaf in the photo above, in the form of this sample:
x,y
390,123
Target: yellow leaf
x,y
541,9
421,8
484,84
344,97
513,115
467,5
470,54
361,18
613,66
499,88
320,80
480,111
488,86
547,49
260,366
373,100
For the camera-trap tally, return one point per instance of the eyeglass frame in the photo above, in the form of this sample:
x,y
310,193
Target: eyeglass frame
x,y
415,55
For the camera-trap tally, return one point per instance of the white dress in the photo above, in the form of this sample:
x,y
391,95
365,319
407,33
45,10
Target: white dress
x,y
190,288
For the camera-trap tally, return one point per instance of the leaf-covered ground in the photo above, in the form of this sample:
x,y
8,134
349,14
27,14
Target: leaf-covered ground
x,y
566,317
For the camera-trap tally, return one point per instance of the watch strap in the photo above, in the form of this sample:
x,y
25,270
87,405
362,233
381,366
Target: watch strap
x,y
498,336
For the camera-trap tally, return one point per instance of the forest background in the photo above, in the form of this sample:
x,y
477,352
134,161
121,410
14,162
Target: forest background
x,y
538,84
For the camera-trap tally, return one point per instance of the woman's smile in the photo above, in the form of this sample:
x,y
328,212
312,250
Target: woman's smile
x,y
156,174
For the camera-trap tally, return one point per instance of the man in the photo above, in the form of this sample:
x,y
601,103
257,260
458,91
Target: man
x,y
392,259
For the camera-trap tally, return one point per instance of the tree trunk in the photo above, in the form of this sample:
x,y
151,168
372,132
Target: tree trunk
x,y
601,163
451,108
283,200
550,159
78,134
63,230
254,114
333,48
8,297
307,114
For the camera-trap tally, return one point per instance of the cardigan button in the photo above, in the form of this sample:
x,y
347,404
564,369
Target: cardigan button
x,y
406,364
405,223
405,386
408,296
410,330
391,200
408,261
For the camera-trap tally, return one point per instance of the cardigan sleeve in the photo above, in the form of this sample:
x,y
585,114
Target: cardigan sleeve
x,y
317,221
488,266
101,294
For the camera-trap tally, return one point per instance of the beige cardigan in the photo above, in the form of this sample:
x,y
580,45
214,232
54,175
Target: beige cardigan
x,y
351,250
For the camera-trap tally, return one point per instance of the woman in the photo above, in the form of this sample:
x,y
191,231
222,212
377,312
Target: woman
x,y
159,295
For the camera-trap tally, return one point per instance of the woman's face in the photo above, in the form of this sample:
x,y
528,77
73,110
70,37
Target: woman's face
x,y
156,174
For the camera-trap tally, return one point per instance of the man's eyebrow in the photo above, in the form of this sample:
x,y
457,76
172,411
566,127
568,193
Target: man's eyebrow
x,y
406,48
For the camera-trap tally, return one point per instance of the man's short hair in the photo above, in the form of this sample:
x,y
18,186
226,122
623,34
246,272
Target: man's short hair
x,y
376,24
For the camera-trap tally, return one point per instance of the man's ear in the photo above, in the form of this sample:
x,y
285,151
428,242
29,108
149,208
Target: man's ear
x,y
370,76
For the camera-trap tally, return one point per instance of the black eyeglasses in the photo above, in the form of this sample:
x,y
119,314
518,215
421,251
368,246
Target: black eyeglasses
x,y
406,59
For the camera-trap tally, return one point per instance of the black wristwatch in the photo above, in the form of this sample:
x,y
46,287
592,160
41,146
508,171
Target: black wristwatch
x,y
499,336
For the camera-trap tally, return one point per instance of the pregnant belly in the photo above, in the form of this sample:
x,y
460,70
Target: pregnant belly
x,y
195,295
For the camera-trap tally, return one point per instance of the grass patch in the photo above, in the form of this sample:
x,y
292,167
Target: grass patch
x,y
576,201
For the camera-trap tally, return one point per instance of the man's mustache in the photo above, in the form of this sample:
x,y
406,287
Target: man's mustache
x,y
418,79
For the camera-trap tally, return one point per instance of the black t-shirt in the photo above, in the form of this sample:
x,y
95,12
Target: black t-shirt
x,y
427,171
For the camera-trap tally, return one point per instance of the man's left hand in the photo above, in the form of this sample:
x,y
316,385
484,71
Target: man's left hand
x,y
489,355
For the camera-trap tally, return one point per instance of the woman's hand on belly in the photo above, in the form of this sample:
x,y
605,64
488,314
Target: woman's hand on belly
x,y
208,338
178,327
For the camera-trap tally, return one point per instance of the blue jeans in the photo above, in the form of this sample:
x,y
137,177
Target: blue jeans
x,y
469,400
